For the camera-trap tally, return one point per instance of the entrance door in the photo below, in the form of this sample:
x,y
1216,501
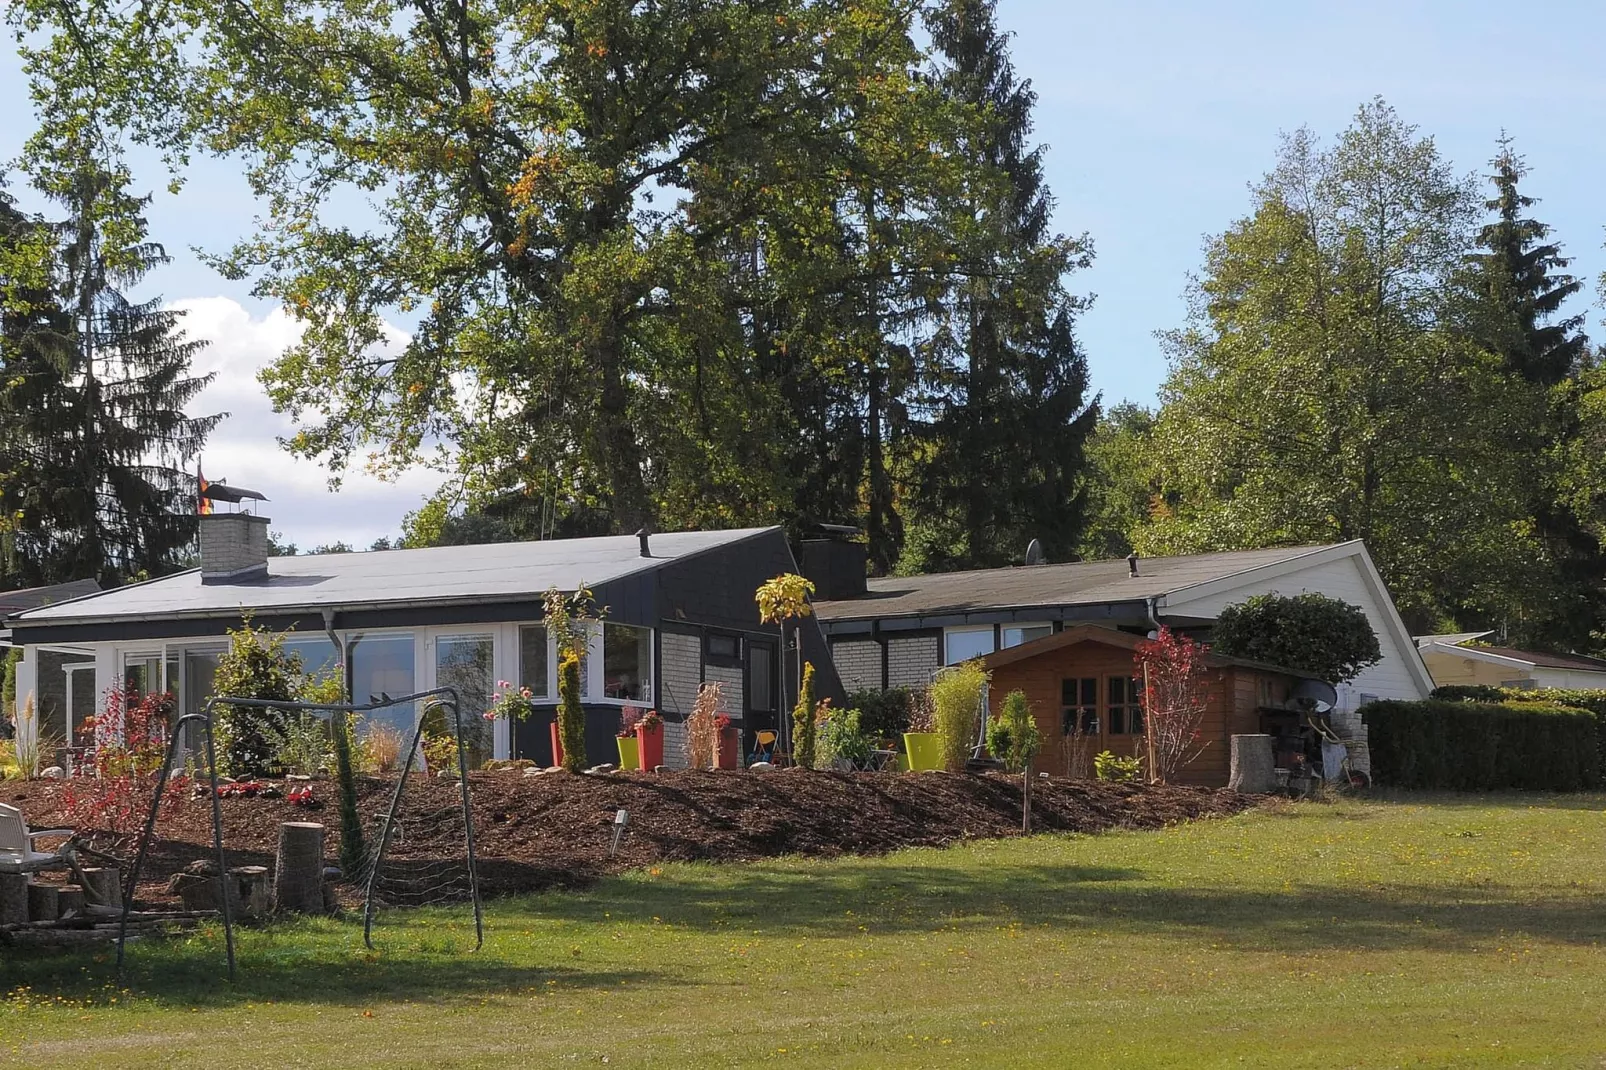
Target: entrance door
x,y
1099,713
760,692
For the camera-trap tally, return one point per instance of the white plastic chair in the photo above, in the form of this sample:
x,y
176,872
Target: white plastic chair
x,y
16,844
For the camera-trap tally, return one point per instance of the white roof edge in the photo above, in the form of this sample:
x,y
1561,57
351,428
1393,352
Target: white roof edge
x,y
1475,654
1233,579
103,591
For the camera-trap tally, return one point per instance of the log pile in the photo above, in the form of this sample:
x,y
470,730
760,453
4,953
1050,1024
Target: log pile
x,y
97,924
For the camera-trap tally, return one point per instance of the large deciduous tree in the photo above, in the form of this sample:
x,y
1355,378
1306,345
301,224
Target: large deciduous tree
x,y
1324,390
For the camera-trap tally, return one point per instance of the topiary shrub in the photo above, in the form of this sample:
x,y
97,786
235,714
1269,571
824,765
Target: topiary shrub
x,y
1323,636
803,721
1476,746
1012,736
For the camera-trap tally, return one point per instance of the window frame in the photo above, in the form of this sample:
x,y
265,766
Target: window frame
x,y
991,631
1021,626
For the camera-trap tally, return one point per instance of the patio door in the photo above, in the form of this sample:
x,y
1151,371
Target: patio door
x,y
466,663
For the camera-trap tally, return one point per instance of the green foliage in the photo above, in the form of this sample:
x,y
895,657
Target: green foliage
x,y
330,689
298,743
843,736
1013,735
1122,481
571,715
1592,700
883,714
1324,636
803,726
956,698
1107,766
8,681
255,666
1470,746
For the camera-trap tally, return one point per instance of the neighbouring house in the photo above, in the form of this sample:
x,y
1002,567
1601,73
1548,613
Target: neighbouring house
x,y
899,630
1086,694
63,688
1465,659
679,611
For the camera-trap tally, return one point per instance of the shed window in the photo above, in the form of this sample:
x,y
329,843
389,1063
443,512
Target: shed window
x,y
1125,706
1079,705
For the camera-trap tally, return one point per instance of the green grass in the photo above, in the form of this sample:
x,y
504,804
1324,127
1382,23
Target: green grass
x,y
1452,931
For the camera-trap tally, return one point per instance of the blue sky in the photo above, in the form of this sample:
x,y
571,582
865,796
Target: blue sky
x,y
1158,116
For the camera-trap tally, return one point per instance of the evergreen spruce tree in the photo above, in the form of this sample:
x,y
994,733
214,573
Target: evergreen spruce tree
x,y
1008,431
1518,284
109,452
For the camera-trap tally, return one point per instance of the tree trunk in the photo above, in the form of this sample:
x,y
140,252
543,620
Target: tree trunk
x,y
13,898
43,901
1252,765
298,869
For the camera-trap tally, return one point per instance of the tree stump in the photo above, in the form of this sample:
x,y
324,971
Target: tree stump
x,y
13,898
298,869
1252,765
43,901
253,897
103,887
69,900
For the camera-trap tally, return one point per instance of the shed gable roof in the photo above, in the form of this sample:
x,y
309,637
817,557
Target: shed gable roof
x,y
1093,633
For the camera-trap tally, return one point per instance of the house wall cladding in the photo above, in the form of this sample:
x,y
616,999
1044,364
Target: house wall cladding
x,y
912,659
680,671
1339,578
731,697
858,663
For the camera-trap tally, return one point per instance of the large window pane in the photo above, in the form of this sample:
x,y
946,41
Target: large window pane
x,y
319,657
761,676
533,666
464,663
627,662
381,666
1016,634
966,643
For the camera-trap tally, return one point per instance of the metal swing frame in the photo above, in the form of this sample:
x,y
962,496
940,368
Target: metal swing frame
x,y
445,698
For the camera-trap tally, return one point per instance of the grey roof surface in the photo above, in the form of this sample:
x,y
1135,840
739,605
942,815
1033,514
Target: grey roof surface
x,y
1074,583
33,597
442,574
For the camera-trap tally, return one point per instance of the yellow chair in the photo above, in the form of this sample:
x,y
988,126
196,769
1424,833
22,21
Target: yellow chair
x,y
764,745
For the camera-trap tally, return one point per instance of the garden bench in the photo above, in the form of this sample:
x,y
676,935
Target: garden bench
x,y
16,845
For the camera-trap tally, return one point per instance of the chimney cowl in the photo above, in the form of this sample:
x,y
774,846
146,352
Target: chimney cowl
x,y
642,533
234,547
1132,565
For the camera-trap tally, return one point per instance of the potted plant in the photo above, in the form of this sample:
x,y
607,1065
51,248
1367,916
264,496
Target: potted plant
x,y
730,743
629,746
922,747
650,740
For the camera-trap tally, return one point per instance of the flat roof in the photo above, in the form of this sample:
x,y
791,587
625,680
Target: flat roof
x,y
16,601
1073,583
487,572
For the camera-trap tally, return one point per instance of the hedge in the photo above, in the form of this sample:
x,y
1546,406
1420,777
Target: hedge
x,y
1480,746
1592,701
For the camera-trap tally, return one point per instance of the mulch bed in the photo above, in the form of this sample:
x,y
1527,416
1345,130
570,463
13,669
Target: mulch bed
x,y
554,830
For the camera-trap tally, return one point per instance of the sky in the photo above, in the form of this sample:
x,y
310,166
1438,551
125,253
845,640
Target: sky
x,y
1158,116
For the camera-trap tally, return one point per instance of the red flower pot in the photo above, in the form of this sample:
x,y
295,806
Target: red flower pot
x,y
557,744
730,749
651,744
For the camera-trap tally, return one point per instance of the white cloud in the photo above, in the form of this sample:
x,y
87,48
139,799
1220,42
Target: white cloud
x,y
244,449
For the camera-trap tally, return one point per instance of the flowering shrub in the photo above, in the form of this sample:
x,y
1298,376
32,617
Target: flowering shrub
x,y
650,721
509,703
1176,692
629,717
130,744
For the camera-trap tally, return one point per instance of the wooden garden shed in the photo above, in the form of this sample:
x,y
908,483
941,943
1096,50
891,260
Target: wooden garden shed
x,y
1085,692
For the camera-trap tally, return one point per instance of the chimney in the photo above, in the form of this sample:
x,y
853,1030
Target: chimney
x,y
836,567
1132,565
234,548
642,533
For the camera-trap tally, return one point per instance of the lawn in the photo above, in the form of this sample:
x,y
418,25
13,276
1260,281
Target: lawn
x,y
1447,931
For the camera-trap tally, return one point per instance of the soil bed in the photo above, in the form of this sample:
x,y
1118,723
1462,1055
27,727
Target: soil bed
x,y
554,829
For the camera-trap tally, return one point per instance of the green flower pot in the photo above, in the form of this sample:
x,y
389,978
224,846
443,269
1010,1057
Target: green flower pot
x,y
629,753
923,750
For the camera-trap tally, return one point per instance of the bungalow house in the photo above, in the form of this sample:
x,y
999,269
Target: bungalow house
x,y
1464,659
899,630
65,689
679,611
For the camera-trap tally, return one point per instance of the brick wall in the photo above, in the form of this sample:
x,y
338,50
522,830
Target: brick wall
x,y
731,695
858,662
912,659
681,661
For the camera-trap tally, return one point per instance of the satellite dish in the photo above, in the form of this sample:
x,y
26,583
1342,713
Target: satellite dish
x,y
1034,553
1318,693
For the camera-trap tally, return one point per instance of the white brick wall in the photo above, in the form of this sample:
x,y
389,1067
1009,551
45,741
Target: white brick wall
x,y
682,657
731,695
858,663
912,659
